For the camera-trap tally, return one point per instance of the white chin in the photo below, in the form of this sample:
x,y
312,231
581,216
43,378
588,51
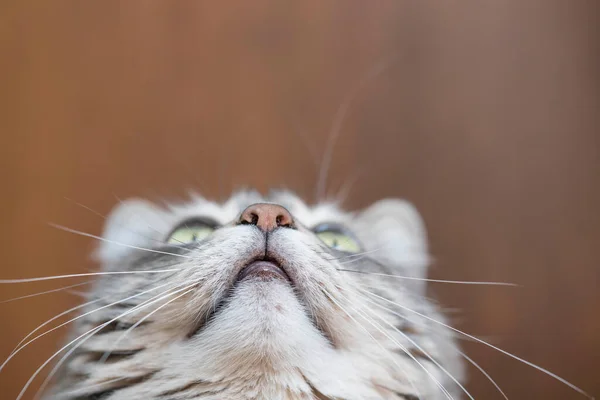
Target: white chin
x,y
264,316
262,302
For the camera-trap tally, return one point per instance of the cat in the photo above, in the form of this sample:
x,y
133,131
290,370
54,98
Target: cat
x,y
261,297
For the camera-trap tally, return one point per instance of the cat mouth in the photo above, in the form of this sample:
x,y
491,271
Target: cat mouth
x,y
264,268
267,267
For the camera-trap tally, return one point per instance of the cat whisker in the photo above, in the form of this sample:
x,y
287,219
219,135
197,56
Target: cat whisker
x,y
419,348
344,191
386,351
45,292
88,388
95,330
355,257
138,323
70,310
86,207
104,217
360,255
425,353
342,259
405,350
537,367
336,126
312,152
470,360
15,352
412,278
76,232
53,277
78,293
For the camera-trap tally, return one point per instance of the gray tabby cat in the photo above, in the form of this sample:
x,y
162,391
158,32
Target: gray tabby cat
x,y
260,298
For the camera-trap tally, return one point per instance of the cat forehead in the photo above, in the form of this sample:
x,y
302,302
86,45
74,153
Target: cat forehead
x,y
224,213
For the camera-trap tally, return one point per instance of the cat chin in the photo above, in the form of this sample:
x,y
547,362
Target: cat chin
x,y
263,341
261,322
264,304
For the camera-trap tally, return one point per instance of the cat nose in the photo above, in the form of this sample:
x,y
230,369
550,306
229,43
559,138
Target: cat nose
x,y
266,216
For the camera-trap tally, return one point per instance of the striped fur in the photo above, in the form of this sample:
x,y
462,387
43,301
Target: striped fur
x,y
192,332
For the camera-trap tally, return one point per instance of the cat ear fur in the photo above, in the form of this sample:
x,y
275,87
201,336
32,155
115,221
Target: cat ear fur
x,y
134,222
395,233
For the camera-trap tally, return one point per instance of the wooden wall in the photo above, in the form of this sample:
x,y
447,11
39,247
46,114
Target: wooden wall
x,y
486,117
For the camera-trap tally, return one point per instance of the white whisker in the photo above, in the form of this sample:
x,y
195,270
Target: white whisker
x,y
420,348
307,145
70,310
344,191
64,228
15,352
412,278
86,207
49,278
79,293
551,374
104,217
45,292
124,335
88,388
483,372
405,350
359,255
96,330
386,351
336,126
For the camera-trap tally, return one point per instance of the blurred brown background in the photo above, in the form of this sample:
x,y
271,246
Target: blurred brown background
x,y
487,118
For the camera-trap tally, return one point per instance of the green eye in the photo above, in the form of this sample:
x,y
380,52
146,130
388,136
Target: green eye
x,y
339,241
190,232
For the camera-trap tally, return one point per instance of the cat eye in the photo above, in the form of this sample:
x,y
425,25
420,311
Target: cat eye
x,y
335,238
189,232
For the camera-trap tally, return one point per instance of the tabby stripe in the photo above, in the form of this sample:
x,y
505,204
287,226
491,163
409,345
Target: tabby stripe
x,y
192,385
115,356
413,352
123,384
116,326
316,391
407,396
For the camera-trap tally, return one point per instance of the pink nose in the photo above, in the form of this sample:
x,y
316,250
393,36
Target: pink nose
x,y
266,216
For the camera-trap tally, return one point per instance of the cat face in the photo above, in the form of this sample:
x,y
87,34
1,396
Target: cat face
x,y
260,297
